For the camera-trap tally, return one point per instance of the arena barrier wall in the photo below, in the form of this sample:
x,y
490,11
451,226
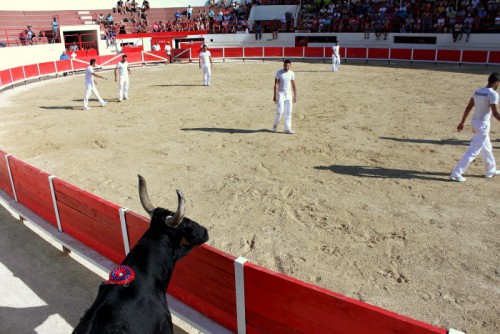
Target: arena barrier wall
x,y
11,77
238,295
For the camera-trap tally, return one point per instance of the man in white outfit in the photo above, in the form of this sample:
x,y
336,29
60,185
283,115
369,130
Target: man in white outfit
x,y
335,57
122,72
168,51
205,63
485,101
285,94
90,86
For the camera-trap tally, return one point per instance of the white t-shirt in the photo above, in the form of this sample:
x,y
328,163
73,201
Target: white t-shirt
x,y
123,69
335,51
285,81
205,57
168,48
88,76
483,98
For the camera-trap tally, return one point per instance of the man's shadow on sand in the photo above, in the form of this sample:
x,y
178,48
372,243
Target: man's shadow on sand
x,y
385,173
450,141
226,130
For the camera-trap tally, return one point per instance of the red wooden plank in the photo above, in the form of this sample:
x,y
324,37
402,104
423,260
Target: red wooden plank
x,y
81,64
85,202
449,55
378,53
47,68
4,175
401,54
273,51
472,56
105,239
136,226
420,54
253,52
293,52
299,305
356,53
494,57
31,71
134,57
233,52
17,74
5,78
228,320
216,52
314,52
32,189
63,65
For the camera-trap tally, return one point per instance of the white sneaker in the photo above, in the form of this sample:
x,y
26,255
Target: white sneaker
x,y
119,100
104,103
497,172
86,108
275,128
290,132
458,178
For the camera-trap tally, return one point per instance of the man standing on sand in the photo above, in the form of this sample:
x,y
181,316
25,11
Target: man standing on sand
x,y
205,62
285,94
485,101
122,71
90,86
335,57
168,51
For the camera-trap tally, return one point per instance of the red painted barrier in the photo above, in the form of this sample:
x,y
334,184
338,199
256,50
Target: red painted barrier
x,y
449,56
215,52
277,304
205,281
494,57
33,189
472,56
424,55
378,53
253,52
357,53
17,74
293,52
233,53
31,71
5,77
64,66
47,68
4,176
314,52
273,52
91,220
401,54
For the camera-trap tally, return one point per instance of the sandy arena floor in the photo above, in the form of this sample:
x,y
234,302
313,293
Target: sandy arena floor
x,y
358,201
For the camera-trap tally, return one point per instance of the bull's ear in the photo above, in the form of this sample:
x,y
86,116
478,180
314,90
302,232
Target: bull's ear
x,y
175,220
143,195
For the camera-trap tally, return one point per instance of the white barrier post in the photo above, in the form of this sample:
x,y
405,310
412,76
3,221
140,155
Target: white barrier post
x,y
123,222
239,277
10,176
56,209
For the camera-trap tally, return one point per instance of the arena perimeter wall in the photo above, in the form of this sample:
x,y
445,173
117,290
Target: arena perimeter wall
x,y
12,76
236,294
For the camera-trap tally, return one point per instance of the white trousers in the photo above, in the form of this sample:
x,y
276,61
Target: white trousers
x,y
123,85
207,74
480,144
284,104
335,63
89,89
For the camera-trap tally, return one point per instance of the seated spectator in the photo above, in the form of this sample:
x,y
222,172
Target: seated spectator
x,y
122,28
31,34
23,37
156,47
177,15
101,19
64,56
73,47
109,20
120,7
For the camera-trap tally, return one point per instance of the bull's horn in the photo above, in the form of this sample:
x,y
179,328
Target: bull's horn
x,y
179,214
143,195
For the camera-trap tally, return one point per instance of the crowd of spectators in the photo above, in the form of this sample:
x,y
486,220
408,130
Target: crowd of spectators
x,y
407,16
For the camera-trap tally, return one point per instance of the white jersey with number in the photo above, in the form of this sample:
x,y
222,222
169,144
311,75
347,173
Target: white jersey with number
x,y
483,98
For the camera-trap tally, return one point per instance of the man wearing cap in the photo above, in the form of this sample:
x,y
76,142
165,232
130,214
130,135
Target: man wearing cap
x,y
122,71
168,50
205,62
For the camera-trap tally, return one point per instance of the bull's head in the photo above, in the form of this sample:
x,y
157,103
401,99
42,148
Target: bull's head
x,y
191,233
